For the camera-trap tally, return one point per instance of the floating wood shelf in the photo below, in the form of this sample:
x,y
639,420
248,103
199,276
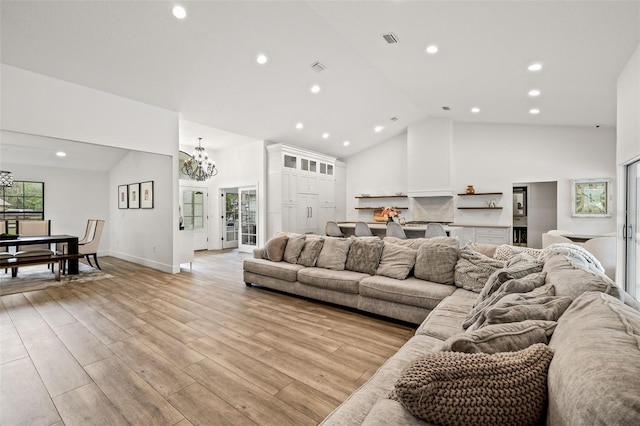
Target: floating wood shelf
x,y
483,193
383,196
379,208
479,208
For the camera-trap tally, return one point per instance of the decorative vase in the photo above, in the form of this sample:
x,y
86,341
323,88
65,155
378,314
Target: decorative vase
x,y
389,219
470,189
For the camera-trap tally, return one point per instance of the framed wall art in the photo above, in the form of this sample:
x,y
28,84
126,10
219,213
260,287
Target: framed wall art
x,y
134,196
123,197
591,197
146,195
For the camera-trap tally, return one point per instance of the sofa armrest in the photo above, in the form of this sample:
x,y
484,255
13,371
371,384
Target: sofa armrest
x,y
258,253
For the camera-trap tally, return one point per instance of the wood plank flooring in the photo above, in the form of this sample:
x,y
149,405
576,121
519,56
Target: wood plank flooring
x,y
195,348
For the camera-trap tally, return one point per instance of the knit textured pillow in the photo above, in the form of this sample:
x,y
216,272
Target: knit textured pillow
x,y
455,388
474,269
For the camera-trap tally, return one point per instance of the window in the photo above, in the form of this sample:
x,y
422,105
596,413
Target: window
x,y
22,201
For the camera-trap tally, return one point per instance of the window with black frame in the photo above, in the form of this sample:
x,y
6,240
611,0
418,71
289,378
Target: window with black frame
x,y
22,200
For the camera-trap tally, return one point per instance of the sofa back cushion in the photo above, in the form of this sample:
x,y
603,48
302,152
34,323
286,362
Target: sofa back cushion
x,y
334,253
396,261
436,262
364,254
310,251
594,377
415,243
274,248
295,244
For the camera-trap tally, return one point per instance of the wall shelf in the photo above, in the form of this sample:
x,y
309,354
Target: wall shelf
x,y
481,193
379,208
383,196
479,208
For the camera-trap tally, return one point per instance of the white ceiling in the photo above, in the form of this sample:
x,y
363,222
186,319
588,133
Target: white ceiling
x,y
204,67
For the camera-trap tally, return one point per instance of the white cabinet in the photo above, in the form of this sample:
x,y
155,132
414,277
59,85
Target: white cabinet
x,y
486,235
300,190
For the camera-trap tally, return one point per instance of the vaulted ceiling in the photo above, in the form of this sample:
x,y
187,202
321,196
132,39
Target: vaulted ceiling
x,y
205,68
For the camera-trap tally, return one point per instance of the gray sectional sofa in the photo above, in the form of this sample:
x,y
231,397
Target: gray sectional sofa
x,y
561,340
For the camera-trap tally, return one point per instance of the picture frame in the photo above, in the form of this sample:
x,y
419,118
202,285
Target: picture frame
x,y
123,196
146,195
134,195
591,197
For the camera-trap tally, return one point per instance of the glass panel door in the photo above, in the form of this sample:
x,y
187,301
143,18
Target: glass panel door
x,y
195,217
230,219
248,219
632,233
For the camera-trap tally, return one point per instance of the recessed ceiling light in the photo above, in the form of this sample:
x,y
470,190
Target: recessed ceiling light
x,y
299,126
345,143
315,88
179,12
378,129
325,136
261,59
61,154
534,111
534,92
475,110
433,49
535,67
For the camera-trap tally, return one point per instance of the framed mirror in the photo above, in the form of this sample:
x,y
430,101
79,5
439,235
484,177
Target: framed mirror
x,y
591,197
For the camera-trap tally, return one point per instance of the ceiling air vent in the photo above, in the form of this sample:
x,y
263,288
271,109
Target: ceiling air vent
x,y
394,118
390,38
318,67
446,108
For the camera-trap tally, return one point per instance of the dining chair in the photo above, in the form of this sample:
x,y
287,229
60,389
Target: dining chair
x,y
90,247
363,230
548,239
4,251
395,230
332,229
32,228
604,249
434,230
62,248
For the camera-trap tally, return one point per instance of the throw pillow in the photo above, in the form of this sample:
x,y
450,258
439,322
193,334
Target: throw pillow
x,y
436,263
521,307
517,267
364,255
520,285
396,261
487,249
501,337
415,243
474,269
274,248
454,388
294,248
506,251
310,251
334,253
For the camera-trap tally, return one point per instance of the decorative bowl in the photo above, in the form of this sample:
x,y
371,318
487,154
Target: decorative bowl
x,y
365,195
398,193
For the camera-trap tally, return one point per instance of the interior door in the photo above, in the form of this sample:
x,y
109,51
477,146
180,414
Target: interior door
x,y
230,218
631,233
194,213
248,219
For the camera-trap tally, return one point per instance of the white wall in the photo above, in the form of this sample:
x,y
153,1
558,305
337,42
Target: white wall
x,y
142,235
541,211
380,170
628,118
71,197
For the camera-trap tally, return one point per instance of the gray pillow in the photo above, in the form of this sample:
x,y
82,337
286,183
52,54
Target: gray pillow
x,y
415,243
274,248
364,255
294,248
517,267
396,261
334,253
436,263
520,307
474,269
501,337
310,251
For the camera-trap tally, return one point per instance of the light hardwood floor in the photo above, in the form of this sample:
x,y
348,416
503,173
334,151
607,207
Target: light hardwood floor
x,y
149,348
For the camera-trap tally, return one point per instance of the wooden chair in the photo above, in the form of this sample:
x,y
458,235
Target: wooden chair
x,y
90,246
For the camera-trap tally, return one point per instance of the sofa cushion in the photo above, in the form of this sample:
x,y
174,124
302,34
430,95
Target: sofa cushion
x,y
487,249
446,319
334,253
453,388
411,291
310,251
521,307
437,263
507,251
295,244
474,269
364,255
518,266
281,270
516,285
396,261
274,248
570,279
389,412
415,243
344,281
595,375
501,337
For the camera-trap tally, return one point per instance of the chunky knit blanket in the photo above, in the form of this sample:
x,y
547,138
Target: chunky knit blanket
x,y
576,255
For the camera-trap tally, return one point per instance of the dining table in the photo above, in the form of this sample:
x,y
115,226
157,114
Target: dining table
x,y
72,246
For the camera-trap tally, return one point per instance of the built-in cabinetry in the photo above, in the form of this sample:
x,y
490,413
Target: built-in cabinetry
x,y
485,235
372,202
300,190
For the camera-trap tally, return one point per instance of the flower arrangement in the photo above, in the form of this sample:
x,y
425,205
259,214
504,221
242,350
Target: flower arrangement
x,y
390,212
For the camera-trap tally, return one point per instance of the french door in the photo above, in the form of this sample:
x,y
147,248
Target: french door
x,y
230,218
632,233
248,219
194,212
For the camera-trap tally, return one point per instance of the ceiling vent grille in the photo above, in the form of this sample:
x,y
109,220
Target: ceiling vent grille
x,y
318,67
390,38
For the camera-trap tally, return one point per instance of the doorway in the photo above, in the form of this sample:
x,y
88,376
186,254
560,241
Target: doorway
x,y
535,211
194,212
230,220
248,219
631,234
